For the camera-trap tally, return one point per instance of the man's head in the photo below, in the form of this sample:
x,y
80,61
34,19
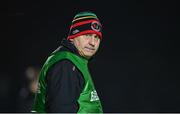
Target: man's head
x,y
85,33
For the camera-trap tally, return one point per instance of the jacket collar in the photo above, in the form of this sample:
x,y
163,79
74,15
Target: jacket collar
x,y
66,45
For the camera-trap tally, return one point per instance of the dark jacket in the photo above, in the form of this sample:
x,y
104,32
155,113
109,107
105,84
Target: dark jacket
x,y
64,83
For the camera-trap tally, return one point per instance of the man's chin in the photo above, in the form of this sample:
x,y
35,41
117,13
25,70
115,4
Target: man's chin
x,y
89,54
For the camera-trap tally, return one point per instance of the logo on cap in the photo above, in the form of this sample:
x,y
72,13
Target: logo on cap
x,y
96,26
75,31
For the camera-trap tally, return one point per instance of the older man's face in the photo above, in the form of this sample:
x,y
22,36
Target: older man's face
x,y
87,44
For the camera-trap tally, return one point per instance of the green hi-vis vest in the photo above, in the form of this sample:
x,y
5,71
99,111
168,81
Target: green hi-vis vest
x,y
88,100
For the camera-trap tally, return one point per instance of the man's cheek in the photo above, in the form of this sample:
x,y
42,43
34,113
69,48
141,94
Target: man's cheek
x,y
78,43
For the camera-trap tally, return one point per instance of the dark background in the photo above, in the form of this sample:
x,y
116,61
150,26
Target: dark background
x,y
136,68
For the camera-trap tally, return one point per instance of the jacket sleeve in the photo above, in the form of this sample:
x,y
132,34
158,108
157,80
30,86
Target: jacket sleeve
x,y
64,85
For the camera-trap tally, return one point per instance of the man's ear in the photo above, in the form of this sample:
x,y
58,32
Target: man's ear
x,y
71,39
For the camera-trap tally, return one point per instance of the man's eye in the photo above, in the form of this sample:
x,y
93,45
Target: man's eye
x,y
97,37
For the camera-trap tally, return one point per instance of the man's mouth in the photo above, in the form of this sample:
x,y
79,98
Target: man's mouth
x,y
89,49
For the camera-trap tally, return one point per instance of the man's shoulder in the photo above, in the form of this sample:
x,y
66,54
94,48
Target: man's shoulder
x,y
61,67
64,63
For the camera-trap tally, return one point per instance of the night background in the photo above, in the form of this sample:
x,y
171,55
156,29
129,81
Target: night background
x,y
136,68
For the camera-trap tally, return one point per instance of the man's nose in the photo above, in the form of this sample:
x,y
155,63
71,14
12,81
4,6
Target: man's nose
x,y
92,41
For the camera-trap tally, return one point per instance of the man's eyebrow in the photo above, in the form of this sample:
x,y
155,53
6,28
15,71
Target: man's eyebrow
x,y
89,34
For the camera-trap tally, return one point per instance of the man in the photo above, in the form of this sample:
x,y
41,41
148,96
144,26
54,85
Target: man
x,y
65,84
